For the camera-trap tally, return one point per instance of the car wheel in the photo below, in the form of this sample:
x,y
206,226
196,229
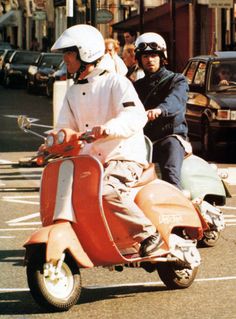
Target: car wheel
x,y
49,88
29,88
48,91
7,82
206,140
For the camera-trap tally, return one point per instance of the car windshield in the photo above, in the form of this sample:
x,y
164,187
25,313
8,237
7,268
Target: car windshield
x,y
8,55
5,45
25,57
223,76
51,61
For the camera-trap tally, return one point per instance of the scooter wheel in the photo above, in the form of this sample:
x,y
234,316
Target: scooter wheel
x,y
54,294
210,238
175,276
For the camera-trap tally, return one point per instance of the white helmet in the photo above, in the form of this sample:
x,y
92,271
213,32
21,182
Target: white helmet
x,y
150,41
88,40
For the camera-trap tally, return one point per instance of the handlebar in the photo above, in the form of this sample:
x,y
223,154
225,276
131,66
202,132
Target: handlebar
x,y
63,143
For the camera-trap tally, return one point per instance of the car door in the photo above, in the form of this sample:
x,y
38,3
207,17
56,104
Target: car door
x,y
197,100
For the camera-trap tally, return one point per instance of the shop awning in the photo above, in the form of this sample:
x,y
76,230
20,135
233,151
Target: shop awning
x,y
8,19
149,15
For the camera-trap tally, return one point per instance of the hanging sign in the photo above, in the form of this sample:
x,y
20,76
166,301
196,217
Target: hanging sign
x,y
221,4
104,16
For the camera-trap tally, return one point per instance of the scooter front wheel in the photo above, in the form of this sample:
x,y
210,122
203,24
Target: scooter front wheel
x,y
52,290
175,276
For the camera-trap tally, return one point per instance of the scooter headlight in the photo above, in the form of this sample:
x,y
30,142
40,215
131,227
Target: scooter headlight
x,y
49,141
61,137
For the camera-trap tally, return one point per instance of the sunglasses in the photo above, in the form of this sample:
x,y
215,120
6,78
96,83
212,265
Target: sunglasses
x,y
152,45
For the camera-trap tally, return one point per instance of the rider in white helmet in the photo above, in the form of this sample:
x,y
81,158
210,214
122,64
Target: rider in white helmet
x,y
86,41
164,95
107,104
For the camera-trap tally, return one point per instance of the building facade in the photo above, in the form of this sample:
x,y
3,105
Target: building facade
x,y
190,27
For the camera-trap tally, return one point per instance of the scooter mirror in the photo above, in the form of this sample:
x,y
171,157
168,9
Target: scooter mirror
x,y
23,122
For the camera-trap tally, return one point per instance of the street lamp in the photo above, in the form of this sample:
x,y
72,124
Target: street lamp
x,y
93,12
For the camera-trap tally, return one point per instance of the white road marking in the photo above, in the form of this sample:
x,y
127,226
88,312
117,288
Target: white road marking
x,y
25,196
230,220
20,219
20,199
228,207
15,229
5,161
25,224
6,237
23,176
145,284
13,289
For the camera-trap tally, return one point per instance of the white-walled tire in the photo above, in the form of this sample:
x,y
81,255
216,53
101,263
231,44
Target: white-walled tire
x,y
58,294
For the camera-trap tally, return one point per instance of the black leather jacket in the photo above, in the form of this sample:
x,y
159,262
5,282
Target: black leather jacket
x,y
168,91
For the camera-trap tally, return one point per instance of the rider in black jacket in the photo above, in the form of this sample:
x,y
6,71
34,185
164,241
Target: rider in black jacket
x,y
164,95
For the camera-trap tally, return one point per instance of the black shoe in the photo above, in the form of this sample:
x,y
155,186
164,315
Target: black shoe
x,y
150,245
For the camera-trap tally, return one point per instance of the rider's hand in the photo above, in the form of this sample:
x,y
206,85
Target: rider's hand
x,y
100,131
224,82
153,114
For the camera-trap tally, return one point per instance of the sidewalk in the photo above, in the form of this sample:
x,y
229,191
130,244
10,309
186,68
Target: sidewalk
x,y
14,156
18,178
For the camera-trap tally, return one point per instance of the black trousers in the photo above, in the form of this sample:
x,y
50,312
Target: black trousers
x,y
169,154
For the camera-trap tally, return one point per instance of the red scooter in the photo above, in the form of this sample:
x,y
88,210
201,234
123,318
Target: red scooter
x,y
78,228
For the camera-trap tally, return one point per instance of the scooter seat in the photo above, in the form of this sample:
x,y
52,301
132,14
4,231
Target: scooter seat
x,y
148,175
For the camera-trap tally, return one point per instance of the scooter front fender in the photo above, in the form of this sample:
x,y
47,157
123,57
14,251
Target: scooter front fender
x,y
58,238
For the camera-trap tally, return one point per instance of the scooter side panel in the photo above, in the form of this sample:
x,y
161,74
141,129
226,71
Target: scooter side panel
x,y
168,208
200,178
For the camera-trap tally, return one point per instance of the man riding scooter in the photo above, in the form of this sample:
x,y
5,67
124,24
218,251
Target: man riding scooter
x,y
164,96
107,105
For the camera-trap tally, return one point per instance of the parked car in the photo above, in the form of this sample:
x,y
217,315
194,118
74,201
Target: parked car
x,y
5,55
211,105
59,75
15,72
5,45
38,73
